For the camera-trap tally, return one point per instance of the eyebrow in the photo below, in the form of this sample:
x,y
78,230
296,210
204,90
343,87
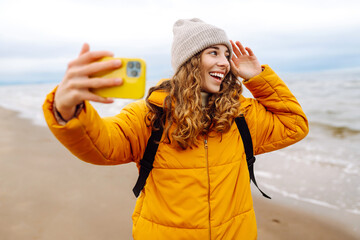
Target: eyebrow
x,y
217,48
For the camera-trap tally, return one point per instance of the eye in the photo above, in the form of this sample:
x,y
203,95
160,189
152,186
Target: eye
x,y
213,53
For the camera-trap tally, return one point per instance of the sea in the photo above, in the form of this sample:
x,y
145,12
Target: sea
x,y
322,170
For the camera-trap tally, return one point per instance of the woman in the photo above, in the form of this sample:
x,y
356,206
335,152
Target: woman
x,y
199,186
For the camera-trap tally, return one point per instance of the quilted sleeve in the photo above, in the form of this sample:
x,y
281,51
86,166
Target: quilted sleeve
x,y
275,117
103,141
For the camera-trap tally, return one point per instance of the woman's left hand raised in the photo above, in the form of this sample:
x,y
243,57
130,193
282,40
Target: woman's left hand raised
x,y
243,62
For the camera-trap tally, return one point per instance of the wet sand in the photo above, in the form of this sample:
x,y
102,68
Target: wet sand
x,y
46,193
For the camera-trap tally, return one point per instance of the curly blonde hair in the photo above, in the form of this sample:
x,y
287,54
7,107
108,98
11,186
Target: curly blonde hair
x,y
183,105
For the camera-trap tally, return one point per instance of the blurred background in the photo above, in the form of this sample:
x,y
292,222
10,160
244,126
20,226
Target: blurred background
x,y
39,37
314,46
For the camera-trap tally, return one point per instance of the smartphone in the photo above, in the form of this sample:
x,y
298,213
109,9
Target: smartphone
x,y
132,72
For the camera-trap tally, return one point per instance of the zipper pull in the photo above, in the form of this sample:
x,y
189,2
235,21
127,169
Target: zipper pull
x,y
205,142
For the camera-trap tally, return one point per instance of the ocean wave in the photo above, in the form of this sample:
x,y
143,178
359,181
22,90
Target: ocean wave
x,y
308,200
268,175
336,131
297,197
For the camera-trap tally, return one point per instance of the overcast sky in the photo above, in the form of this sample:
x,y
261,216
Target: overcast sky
x,y
41,36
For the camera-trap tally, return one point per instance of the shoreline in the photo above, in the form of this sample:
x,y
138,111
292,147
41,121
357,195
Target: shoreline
x,y
44,190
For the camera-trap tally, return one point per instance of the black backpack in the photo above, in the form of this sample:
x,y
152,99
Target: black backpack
x,y
146,163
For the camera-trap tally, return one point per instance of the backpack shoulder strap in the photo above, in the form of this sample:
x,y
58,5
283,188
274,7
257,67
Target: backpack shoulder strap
x,y
248,146
146,163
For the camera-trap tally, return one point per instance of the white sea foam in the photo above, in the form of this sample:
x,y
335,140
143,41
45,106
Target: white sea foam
x,y
297,197
268,175
353,211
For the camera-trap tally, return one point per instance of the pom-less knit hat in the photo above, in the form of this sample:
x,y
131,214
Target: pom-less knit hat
x,y
191,36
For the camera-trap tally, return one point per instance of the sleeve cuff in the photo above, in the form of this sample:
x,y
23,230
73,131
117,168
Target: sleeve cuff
x,y
60,120
263,69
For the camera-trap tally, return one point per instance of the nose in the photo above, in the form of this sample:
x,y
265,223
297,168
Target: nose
x,y
223,61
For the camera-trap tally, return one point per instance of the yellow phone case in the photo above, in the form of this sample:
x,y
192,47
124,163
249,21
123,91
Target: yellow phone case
x,y
132,72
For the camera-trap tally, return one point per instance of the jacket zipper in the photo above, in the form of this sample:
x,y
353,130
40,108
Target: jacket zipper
x,y
208,174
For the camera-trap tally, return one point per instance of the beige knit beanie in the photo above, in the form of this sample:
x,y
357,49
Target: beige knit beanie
x,y
191,36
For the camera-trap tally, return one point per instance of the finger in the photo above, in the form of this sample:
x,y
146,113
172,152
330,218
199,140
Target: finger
x,y
233,58
242,49
97,83
85,48
251,53
89,57
233,68
97,67
232,65
235,49
96,98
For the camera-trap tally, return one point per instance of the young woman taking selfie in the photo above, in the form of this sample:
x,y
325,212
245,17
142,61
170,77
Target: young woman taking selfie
x,y
198,184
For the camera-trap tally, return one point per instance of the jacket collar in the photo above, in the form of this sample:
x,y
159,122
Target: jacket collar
x,y
157,98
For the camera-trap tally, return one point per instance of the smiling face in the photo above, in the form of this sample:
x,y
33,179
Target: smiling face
x,y
215,66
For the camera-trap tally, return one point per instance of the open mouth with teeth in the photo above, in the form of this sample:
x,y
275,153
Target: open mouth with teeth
x,y
217,76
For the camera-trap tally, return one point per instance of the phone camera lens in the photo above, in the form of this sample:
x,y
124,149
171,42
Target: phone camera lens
x,y
134,73
131,64
137,65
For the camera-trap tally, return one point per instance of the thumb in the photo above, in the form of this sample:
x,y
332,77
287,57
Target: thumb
x,y
85,48
233,68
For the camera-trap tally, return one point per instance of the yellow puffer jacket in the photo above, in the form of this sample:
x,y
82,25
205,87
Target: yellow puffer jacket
x,y
199,193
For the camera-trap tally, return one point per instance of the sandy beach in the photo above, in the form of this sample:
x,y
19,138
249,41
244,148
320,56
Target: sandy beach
x,y
46,193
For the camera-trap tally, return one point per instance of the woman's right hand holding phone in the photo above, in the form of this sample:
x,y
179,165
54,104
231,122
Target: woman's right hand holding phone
x,y
77,82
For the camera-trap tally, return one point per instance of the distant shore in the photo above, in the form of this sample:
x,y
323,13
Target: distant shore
x,y
46,193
